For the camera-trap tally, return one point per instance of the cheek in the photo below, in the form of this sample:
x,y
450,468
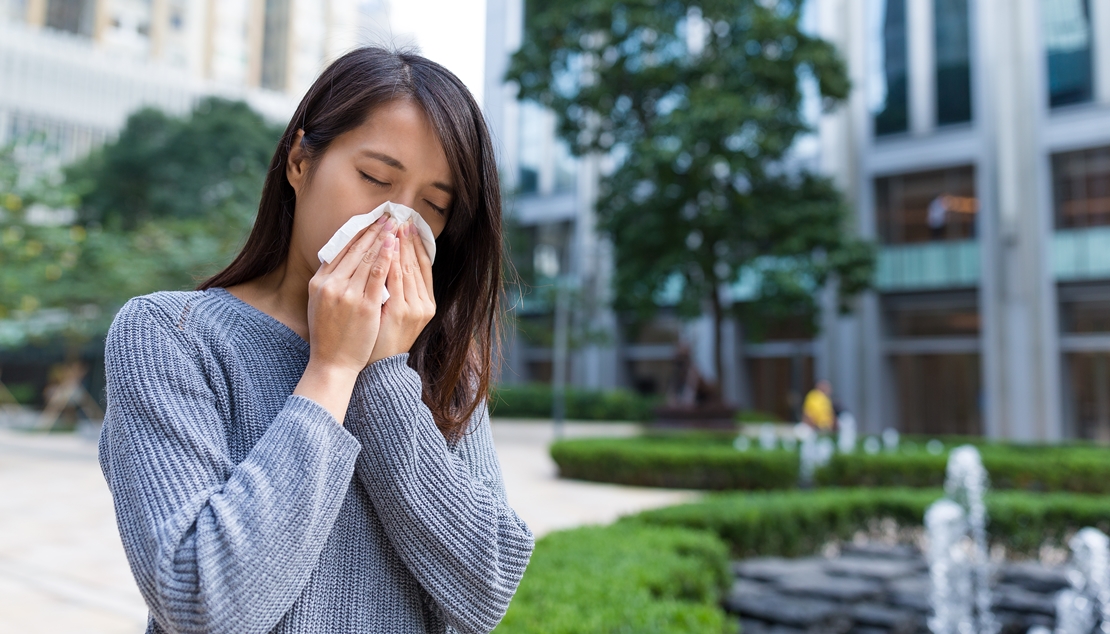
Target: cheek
x,y
435,221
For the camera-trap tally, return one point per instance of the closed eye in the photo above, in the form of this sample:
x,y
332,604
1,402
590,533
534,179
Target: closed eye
x,y
438,210
370,179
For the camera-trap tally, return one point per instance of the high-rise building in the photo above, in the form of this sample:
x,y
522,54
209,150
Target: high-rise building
x,y
975,151
74,69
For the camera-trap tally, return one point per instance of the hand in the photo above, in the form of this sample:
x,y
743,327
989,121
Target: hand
x,y
345,300
411,303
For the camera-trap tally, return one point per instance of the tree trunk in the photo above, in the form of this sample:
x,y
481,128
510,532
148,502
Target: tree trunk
x,y
718,360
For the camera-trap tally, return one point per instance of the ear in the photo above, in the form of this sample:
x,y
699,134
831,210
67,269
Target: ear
x,y
296,165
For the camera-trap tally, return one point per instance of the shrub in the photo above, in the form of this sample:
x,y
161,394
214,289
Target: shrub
x,y
708,461
689,462
1077,469
623,578
799,522
533,400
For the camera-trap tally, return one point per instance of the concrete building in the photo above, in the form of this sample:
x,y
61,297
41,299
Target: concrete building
x,y
72,70
975,150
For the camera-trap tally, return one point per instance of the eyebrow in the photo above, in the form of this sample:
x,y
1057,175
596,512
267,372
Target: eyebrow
x,y
392,162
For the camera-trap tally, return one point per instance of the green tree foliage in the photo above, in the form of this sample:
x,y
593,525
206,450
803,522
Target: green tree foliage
x,y
699,105
209,164
168,203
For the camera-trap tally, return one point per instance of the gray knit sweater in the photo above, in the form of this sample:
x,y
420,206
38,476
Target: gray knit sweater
x,y
243,508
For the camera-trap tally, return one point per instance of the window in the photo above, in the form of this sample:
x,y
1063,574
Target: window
x,y
953,54
778,384
74,16
532,144
933,322
1081,188
1067,36
935,205
275,45
889,98
938,393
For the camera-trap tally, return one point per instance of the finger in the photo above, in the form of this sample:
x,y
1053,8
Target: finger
x,y
348,259
425,261
376,270
410,267
394,281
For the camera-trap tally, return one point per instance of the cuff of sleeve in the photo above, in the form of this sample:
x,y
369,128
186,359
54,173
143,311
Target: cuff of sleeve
x,y
304,416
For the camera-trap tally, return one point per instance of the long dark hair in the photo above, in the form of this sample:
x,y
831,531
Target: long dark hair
x,y
454,354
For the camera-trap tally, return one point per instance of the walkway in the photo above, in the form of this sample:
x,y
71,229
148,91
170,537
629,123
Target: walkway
x,y
62,569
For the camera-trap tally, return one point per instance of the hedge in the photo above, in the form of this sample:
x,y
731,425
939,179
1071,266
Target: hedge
x,y
623,578
709,462
533,400
664,571
800,522
678,463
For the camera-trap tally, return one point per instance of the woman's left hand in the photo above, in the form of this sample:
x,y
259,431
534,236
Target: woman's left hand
x,y
411,304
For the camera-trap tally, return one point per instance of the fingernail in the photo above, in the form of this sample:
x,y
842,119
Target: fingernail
x,y
388,242
390,224
412,229
381,219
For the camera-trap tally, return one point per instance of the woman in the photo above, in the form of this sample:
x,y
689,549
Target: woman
x,y
288,454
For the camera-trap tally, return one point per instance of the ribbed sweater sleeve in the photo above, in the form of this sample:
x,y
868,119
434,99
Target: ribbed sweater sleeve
x,y
444,510
214,546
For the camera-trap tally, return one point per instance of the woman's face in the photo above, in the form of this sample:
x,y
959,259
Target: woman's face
x,y
394,155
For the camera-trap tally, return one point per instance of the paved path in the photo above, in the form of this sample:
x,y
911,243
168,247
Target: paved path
x,y
62,568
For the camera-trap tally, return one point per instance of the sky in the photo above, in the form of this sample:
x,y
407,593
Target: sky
x,y
450,32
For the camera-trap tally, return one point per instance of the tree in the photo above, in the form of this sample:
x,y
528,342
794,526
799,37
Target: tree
x,y
698,105
210,162
167,203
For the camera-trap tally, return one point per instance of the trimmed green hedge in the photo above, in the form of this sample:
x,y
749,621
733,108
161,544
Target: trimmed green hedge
x,y
1078,469
665,571
679,462
799,522
533,400
705,461
623,578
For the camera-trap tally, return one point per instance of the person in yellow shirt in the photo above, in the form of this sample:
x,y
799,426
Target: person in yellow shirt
x,y
818,410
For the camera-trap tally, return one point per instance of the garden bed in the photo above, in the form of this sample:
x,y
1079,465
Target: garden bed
x,y
706,461
666,571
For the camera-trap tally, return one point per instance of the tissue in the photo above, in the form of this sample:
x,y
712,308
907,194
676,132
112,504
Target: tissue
x,y
399,213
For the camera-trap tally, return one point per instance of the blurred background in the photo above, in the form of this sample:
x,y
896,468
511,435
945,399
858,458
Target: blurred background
x,y
709,209
968,151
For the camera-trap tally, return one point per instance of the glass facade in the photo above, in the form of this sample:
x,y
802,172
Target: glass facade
x,y
74,16
891,98
275,45
939,393
953,55
1067,38
1081,188
778,384
933,322
934,205
1087,381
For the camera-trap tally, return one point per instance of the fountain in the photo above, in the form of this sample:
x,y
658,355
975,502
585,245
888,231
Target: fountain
x,y
846,433
890,439
959,606
768,439
814,452
1087,602
949,569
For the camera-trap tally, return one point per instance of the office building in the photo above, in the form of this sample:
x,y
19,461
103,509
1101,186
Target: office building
x,y
975,151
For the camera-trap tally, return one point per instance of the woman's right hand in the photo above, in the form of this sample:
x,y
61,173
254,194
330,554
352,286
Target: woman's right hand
x,y
344,314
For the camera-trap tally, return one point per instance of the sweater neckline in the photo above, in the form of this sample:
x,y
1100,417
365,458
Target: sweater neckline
x,y
262,318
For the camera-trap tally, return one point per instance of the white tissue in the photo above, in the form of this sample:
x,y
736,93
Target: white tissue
x,y
399,213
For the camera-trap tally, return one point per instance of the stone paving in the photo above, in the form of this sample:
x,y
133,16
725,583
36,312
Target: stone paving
x,y
62,568
874,589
